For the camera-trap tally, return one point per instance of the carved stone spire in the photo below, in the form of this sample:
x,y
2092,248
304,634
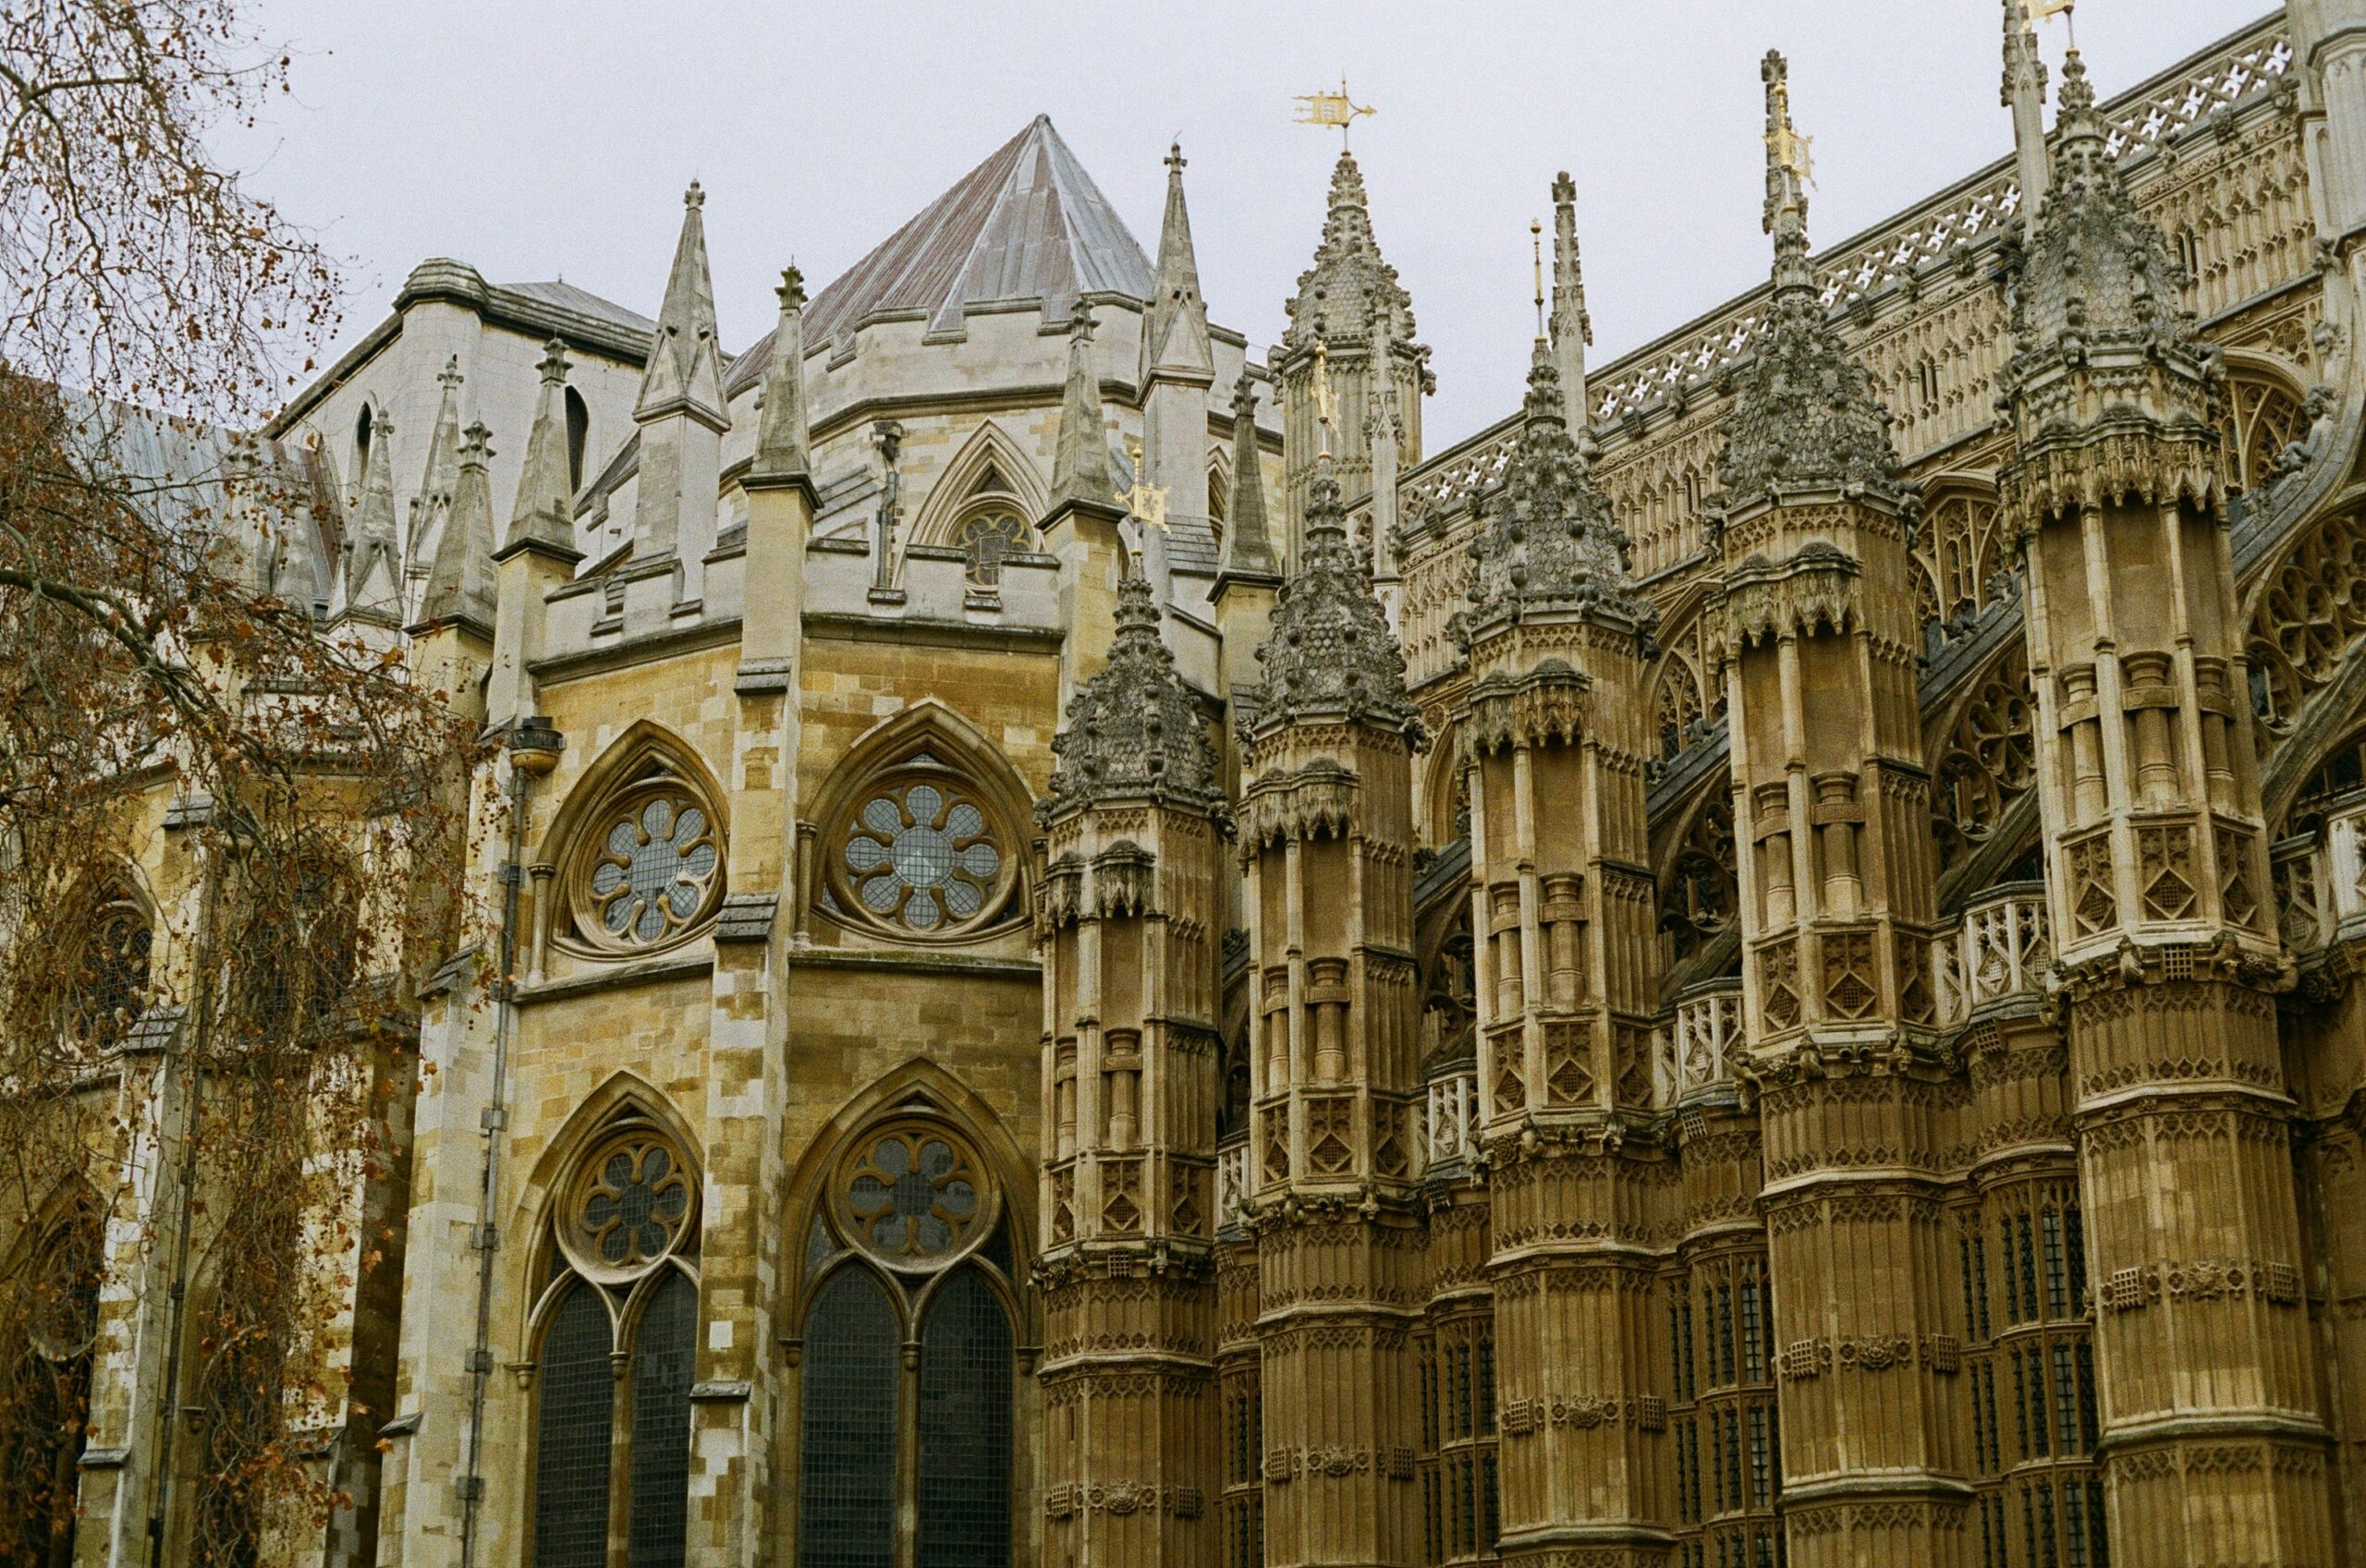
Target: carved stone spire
x,y
1331,656
443,470
1547,541
1133,730
1080,463
460,585
1572,327
543,516
2095,270
783,439
1248,542
1806,414
1350,282
373,574
685,373
1175,338
2024,93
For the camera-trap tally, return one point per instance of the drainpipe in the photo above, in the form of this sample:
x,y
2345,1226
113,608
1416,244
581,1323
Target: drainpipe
x,y
533,747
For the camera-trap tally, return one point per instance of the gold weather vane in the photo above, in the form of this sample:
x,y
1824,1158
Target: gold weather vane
x,y
2049,9
1145,503
1330,109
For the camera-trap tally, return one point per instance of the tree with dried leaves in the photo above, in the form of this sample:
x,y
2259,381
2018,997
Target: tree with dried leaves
x,y
221,825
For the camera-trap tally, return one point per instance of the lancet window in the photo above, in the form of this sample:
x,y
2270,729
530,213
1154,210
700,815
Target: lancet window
x,y
45,1390
908,1459
615,1333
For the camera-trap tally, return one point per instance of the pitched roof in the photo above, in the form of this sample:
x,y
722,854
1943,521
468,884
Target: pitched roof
x,y
1027,225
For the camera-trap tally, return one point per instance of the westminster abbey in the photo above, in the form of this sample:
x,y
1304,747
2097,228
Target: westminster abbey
x,y
1113,962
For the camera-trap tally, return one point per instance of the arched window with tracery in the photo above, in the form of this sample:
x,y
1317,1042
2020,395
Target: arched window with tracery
x,y
909,1245
991,528
53,1311
917,847
1959,557
2258,418
642,869
615,1336
1676,707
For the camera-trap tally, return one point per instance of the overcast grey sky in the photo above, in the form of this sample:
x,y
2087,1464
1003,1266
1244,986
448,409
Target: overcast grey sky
x,y
540,140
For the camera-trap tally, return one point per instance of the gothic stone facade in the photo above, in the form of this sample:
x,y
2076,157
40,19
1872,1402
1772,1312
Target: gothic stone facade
x,y
1119,967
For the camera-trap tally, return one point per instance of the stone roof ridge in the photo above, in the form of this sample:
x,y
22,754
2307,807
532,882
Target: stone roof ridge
x,y
2093,268
685,370
1175,336
1805,413
1329,655
1350,282
1133,729
1029,223
1546,540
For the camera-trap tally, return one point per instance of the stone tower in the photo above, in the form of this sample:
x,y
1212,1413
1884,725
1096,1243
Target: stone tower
x,y
1831,818
2156,871
1129,927
1326,844
1556,733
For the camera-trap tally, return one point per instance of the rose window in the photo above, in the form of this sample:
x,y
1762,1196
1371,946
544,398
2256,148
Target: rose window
x,y
912,1196
655,870
923,859
630,1208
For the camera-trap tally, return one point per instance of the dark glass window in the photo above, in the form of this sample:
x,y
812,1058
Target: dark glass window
x,y
576,1393
846,1504
966,1372
661,1423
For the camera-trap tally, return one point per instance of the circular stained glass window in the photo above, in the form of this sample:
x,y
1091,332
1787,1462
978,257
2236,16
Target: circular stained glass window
x,y
920,855
631,1206
913,1196
655,872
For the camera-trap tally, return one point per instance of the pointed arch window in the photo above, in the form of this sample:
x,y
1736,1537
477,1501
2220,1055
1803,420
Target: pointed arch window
x,y
909,1246
991,527
615,1336
45,1392
578,435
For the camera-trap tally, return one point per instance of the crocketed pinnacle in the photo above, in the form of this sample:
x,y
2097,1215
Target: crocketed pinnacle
x,y
2095,271
1546,542
1805,413
1330,656
372,575
1080,472
544,516
1572,326
784,440
443,470
1349,283
1248,546
1175,334
1133,730
460,585
685,373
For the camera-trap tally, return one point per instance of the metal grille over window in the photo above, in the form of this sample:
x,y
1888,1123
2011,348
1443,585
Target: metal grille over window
x,y
573,1414
846,1502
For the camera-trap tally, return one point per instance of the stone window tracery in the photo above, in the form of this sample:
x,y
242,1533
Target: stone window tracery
x,y
1958,561
615,1336
920,853
908,1248
45,1389
1989,761
2258,418
646,871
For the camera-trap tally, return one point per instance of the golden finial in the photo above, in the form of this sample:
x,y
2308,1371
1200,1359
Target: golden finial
x,y
1536,260
1330,109
1322,394
1792,151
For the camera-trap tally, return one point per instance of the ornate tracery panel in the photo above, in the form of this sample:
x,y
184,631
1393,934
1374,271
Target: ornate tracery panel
x,y
1989,760
1959,559
2258,418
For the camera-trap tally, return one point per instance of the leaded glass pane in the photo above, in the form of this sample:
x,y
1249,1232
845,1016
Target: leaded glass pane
x,y
966,1370
921,856
660,1423
575,1409
846,1501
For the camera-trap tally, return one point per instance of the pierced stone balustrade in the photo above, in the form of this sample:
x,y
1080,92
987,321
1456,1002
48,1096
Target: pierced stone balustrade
x,y
1708,1033
1232,1180
1452,1115
2002,950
